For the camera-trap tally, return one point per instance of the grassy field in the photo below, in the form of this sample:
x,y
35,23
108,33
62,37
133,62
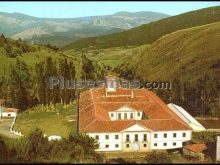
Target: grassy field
x,y
58,120
110,58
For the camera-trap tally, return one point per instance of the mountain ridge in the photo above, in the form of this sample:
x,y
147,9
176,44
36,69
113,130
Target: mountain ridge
x,y
14,25
148,33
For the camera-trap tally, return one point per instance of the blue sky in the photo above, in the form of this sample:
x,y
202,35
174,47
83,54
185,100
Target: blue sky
x,y
80,9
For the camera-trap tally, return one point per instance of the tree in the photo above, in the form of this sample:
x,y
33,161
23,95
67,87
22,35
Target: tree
x,y
41,83
88,69
19,82
176,92
37,146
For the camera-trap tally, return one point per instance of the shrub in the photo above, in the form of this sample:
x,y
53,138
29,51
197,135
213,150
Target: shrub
x,y
157,157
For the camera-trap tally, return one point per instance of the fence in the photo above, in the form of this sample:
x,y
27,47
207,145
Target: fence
x,y
15,131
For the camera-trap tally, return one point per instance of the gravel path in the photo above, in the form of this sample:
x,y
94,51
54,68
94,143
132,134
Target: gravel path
x,y
5,125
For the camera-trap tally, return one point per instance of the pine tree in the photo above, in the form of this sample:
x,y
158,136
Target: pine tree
x,y
41,83
19,83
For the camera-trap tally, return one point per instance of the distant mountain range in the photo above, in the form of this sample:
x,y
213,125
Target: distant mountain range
x,y
61,31
148,33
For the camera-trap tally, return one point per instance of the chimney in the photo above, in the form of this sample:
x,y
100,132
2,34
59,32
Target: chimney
x,y
132,94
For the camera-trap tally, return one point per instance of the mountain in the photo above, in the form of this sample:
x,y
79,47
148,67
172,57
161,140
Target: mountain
x,y
67,30
148,33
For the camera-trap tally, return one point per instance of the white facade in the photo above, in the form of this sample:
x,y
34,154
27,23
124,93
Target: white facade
x,y
169,139
138,138
9,114
218,149
1,110
125,113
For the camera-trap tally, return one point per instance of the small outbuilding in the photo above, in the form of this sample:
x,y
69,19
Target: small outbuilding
x,y
9,112
54,137
195,151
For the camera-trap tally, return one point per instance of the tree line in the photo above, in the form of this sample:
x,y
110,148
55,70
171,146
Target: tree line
x,y
16,48
28,86
199,99
35,148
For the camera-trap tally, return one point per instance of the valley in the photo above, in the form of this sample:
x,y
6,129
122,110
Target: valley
x,y
181,49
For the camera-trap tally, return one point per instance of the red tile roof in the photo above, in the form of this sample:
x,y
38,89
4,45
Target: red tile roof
x,y
10,110
196,147
94,107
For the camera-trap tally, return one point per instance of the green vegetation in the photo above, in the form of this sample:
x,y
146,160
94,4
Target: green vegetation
x,y
35,148
13,48
149,33
191,53
24,80
56,119
158,158
204,137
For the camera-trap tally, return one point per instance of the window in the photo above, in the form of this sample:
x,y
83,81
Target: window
x,y
136,137
106,136
125,116
116,145
131,115
174,144
174,135
155,135
145,137
145,145
127,138
164,144
97,137
119,116
127,145
106,146
116,136
155,144
184,134
165,135
112,114
139,114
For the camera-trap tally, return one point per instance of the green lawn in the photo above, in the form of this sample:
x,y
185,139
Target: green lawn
x,y
59,120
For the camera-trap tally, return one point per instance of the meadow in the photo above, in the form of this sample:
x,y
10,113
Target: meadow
x,y
53,120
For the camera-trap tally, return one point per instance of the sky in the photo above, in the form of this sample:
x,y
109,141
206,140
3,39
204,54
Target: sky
x,y
80,9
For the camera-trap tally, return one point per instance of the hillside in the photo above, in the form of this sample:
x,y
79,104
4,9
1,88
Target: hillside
x,y
150,32
11,50
188,54
67,30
